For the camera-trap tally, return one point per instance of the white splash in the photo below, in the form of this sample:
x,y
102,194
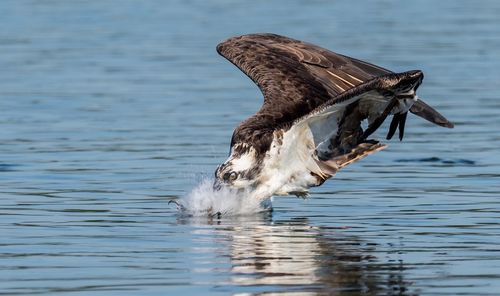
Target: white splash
x,y
203,200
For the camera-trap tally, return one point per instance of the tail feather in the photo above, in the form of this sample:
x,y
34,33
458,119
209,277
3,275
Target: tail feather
x,y
359,152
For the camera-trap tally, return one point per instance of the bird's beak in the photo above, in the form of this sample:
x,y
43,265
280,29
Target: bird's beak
x,y
217,185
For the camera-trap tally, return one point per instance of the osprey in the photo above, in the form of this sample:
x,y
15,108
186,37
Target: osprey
x,y
312,121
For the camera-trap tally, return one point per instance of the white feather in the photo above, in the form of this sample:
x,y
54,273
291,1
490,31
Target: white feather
x,y
244,161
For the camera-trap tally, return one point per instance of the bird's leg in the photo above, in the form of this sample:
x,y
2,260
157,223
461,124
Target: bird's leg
x,y
380,119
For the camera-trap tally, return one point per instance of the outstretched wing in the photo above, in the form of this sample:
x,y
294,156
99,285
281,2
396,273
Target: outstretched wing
x,y
297,78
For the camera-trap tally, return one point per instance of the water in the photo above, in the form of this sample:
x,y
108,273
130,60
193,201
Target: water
x,y
108,111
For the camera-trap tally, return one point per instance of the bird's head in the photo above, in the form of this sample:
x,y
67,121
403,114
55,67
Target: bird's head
x,y
240,171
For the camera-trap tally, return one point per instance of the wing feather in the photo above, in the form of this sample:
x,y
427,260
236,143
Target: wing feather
x,y
298,79
428,113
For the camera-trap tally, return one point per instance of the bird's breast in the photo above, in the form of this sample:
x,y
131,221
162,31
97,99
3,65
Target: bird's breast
x,y
286,168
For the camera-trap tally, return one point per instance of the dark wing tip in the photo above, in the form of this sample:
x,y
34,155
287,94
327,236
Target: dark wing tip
x,y
224,45
393,126
398,121
420,108
448,124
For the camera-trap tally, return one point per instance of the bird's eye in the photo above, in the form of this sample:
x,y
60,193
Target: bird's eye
x,y
231,176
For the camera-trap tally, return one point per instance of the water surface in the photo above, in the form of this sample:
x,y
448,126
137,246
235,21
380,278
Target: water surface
x,y
108,110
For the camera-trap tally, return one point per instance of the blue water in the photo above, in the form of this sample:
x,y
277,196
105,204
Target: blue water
x,y
109,109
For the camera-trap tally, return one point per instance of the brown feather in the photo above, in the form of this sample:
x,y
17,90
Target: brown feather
x,y
298,79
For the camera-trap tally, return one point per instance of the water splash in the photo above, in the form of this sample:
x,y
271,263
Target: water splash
x,y
203,200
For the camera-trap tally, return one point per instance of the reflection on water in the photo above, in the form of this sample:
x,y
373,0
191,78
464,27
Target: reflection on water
x,y
292,256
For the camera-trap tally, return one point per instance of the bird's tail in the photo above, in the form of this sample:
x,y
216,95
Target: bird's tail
x,y
362,150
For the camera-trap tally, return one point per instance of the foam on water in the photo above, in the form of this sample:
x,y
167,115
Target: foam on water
x,y
204,200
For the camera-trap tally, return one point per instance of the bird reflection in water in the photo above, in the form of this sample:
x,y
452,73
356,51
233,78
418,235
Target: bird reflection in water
x,y
293,257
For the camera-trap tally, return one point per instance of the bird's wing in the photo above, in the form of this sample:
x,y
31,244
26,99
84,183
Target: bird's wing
x,y
295,77
298,78
331,136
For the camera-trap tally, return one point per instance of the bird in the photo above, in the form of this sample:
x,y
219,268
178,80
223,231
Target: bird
x,y
320,109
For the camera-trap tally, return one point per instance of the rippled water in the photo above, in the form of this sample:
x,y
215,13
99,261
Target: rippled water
x,y
110,109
